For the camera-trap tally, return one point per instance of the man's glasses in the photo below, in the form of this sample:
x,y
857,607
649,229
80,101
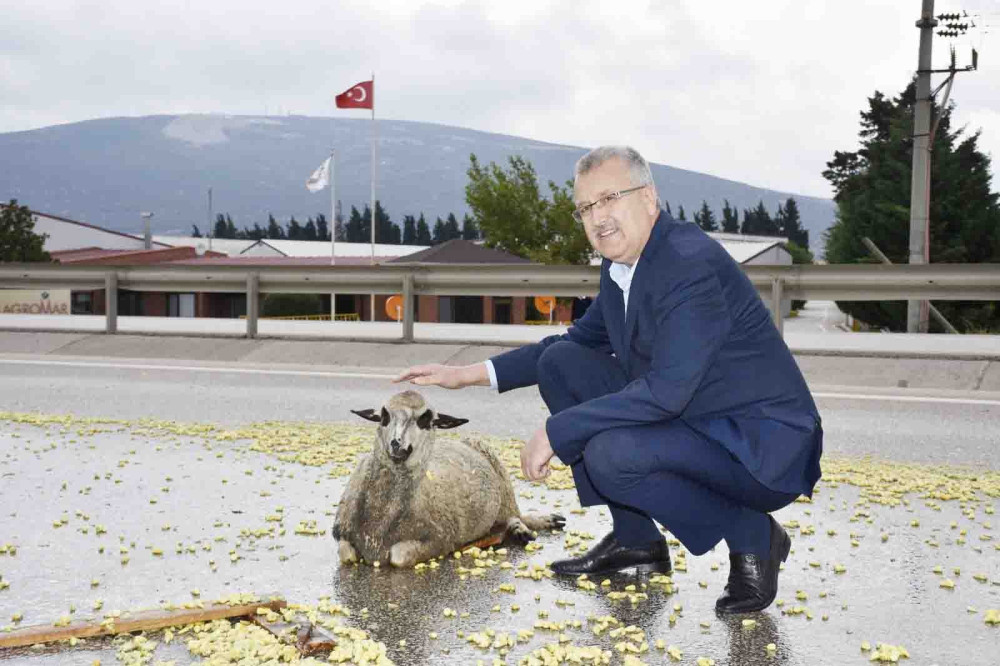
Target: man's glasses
x,y
585,210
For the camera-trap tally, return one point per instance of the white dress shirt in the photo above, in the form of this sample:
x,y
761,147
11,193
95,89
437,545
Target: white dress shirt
x,y
622,276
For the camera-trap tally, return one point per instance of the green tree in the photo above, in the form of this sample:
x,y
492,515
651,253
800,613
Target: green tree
x,y
256,233
220,230
452,231
18,240
758,221
309,231
423,232
322,228
294,230
195,232
705,218
730,219
680,214
790,223
358,229
872,193
274,230
512,215
385,231
438,232
409,230
470,230
666,207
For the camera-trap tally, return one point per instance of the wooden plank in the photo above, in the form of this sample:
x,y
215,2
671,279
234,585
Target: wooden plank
x,y
146,620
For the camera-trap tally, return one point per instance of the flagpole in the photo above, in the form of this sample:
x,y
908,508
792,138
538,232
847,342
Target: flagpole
x,y
373,220
333,209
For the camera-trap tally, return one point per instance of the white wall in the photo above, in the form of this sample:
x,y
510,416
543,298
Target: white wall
x,y
776,256
69,236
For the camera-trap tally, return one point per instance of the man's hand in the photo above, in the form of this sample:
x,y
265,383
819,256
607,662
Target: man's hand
x,y
446,376
535,456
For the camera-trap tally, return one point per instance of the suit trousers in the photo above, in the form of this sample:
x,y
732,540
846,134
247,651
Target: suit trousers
x,y
666,471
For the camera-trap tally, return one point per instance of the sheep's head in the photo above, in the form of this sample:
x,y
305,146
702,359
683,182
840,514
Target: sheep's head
x,y
406,427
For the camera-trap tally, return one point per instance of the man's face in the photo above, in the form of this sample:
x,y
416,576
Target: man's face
x,y
619,229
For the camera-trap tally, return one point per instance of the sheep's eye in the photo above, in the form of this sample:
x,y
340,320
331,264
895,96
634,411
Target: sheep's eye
x,y
424,420
385,417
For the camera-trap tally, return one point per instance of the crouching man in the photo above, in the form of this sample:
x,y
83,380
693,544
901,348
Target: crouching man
x,y
673,399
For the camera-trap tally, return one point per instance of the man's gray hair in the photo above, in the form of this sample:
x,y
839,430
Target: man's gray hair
x,y
638,167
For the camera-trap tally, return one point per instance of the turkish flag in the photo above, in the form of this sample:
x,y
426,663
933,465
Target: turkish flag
x,y
361,96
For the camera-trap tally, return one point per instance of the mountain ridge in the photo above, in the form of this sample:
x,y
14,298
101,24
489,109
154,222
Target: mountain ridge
x,y
105,171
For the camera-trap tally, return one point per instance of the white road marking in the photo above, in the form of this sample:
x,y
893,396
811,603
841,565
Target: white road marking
x,y
906,398
201,368
365,375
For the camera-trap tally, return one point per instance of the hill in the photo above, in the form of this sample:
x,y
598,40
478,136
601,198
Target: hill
x,y
106,171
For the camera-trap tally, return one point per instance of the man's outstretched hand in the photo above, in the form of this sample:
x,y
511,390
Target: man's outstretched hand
x,y
535,456
446,376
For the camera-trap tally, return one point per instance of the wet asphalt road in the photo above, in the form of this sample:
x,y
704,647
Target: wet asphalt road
x,y
217,489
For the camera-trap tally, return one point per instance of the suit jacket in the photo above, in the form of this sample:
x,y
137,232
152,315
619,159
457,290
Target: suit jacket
x,y
698,345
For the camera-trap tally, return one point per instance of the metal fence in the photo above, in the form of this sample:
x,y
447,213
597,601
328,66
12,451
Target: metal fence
x,y
962,282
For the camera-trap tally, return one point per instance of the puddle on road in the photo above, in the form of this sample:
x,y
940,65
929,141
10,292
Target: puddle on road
x,y
101,515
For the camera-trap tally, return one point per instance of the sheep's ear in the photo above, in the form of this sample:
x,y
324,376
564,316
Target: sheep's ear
x,y
425,420
367,414
444,422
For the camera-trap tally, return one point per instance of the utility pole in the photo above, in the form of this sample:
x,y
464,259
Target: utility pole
x,y
923,141
916,311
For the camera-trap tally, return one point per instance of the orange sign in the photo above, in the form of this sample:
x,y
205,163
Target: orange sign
x,y
545,304
394,307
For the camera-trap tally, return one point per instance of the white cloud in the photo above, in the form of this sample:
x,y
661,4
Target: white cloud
x,y
762,93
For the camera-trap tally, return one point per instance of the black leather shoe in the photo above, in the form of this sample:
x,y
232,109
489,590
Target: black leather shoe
x,y
753,580
609,556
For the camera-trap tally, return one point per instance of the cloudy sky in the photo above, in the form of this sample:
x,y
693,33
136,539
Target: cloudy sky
x,y
760,92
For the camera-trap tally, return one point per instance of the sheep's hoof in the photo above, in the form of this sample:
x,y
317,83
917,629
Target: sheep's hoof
x,y
519,533
404,553
347,553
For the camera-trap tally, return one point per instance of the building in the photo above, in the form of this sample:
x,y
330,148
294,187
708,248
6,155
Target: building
x,y
79,243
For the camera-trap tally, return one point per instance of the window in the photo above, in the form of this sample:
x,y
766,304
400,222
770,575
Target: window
x,y
82,302
180,305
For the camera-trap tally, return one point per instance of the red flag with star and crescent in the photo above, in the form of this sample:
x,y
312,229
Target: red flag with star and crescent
x,y
360,96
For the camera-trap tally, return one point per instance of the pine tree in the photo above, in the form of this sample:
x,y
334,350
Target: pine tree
x,y
356,230
274,231
386,231
294,230
221,229
790,223
451,230
195,233
730,219
18,240
322,230
409,230
872,193
256,233
470,230
666,207
680,214
309,231
230,227
439,232
758,222
423,232
705,218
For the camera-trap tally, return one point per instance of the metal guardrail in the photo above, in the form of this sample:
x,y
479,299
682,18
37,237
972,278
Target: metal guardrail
x,y
862,282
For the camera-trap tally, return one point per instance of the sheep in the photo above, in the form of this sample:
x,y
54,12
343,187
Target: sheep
x,y
416,497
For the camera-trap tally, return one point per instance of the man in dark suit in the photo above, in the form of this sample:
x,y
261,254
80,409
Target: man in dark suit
x,y
674,398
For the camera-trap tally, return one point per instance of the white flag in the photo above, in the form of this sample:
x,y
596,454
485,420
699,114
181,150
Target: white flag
x,y
320,178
